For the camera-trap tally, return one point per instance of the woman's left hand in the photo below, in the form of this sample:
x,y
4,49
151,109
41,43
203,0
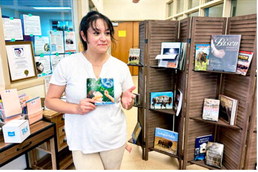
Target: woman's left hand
x,y
127,98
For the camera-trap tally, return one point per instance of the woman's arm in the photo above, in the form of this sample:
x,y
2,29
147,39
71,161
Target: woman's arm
x,y
53,101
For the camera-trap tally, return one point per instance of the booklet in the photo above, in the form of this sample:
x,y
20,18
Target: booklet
x,y
101,90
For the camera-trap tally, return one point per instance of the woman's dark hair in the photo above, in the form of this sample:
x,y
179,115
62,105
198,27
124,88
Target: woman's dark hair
x,y
89,21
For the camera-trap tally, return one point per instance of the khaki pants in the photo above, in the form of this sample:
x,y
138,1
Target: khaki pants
x,y
108,160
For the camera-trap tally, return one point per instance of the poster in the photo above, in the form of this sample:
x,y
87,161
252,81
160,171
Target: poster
x,y
31,25
12,29
56,42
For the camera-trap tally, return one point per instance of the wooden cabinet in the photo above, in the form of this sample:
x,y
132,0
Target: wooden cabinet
x,y
41,132
64,156
58,119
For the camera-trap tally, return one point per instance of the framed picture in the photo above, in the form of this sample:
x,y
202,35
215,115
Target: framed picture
x,y
20,60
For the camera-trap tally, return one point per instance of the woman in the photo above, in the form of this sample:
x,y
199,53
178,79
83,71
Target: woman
x,y
96,135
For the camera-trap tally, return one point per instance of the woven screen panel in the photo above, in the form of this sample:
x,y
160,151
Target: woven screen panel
x,y
245,26
237,87
184,29
253,155
142,37
141,84
232,146
203,85
202,29
156,119
196,129
160,31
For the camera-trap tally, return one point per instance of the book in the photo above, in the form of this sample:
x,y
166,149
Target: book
x,y
182,56
214,154
134,56
201,145
136,132
101,90
137,101
34,109
11,103
243,63
201,59
224,53
170,52
166,140
228,109
211,109
161,100
178,101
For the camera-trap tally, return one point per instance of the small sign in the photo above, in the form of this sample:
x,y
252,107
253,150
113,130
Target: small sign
x,y
122,33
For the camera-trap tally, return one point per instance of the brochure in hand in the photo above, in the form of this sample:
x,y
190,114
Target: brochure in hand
x,y
101,90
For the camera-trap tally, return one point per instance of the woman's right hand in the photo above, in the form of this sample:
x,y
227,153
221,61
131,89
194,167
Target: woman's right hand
x,y
85,106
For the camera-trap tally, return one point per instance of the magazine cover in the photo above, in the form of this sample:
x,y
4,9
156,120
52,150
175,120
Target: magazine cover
x,y
228,108
101,90
224,53
161,100
211,109
214,154
244,60
178,101
202,52
166,140
136,132
201,145
134,56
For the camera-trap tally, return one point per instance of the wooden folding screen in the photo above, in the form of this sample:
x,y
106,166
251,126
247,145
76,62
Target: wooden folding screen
x,y
239,140
154,79
202,85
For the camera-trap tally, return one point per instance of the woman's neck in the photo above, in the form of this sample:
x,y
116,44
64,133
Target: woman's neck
x,y
96,59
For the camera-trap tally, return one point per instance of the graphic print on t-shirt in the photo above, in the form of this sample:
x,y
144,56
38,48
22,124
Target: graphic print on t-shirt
x,y
101,90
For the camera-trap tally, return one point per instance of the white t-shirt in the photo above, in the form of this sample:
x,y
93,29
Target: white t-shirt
x,y
105,127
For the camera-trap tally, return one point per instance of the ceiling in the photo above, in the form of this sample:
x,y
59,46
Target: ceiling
x,y
27,5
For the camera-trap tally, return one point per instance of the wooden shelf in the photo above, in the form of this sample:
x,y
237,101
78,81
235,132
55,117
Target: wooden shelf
x,y
139,65
64,160
220,123
201,163
219,72
166,153
158,67
166,111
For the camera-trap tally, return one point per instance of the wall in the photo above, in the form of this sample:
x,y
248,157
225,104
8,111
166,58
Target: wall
x,y
99,5
245,7
126,10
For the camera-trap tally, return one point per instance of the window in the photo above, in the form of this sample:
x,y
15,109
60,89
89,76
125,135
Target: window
x,y
58,12
194,14
193,3
215,11
180,6
243,7
170,8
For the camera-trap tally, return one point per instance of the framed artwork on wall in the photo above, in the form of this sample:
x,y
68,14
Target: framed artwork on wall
x,y
20,60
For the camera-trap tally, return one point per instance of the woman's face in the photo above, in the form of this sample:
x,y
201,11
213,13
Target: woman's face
x,y
99,39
